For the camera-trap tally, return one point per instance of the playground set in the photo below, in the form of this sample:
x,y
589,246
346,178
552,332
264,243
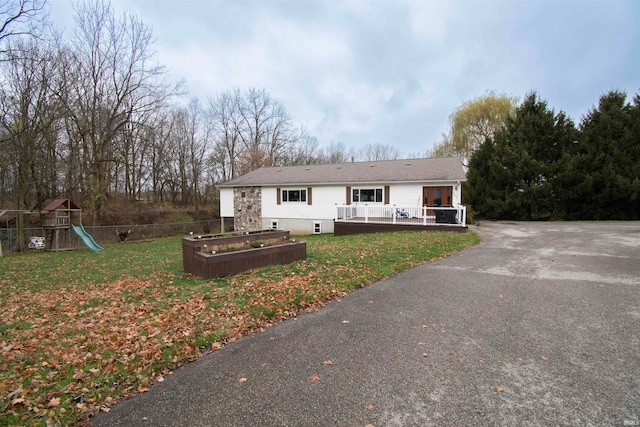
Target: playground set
x,y
57,220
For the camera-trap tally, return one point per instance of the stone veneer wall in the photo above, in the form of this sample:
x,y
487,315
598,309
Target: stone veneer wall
x,y
247,208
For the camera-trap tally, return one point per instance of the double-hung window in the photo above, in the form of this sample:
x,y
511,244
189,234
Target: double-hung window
x,y
367,195
294,196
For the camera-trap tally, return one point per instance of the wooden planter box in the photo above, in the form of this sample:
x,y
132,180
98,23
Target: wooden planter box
x,y
208,265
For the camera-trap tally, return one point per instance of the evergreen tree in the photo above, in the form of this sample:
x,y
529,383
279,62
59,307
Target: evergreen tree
x,y
610,159
513,176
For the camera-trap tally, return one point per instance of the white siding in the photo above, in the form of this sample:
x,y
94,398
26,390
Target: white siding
x,y
406,195
323,198
226,202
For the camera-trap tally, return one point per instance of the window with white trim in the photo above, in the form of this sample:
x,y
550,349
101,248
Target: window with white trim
x,y
367,195
294,196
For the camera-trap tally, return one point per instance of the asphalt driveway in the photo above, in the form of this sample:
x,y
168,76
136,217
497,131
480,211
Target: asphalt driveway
x,y
538,325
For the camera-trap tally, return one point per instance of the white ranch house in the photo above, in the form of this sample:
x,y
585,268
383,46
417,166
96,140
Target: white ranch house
x,y
310,199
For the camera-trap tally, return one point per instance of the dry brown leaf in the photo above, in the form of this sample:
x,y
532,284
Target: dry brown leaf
x,y
345,321
243,380
314,377
499,389
425,354
370,407
55,401
17,401
328,362
544,358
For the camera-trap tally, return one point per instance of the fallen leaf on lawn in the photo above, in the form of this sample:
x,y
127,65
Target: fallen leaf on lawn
x,y
104,409
160,379
17,401
328,362
243,380
314,377
499,389
14,393
55,401
94,371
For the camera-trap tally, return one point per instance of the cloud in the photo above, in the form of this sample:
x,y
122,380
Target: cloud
x,y
393,71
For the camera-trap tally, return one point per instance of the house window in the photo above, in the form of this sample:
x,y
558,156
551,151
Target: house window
x,y
275,224
364,195
317,227
294,196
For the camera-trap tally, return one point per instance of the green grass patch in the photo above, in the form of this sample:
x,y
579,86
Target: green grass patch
x,y
80,330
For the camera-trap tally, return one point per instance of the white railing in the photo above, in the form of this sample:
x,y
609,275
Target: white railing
x,y
391,214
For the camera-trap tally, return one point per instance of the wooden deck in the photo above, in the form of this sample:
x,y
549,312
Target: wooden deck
x,y
360,226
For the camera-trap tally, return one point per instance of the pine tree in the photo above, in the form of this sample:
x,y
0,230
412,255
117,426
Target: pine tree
x,y
610,155
514,175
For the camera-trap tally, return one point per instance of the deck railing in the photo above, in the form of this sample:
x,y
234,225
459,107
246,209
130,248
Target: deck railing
x,y
391,214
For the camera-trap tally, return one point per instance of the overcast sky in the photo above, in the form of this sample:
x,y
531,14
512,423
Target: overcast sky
x,y
392,72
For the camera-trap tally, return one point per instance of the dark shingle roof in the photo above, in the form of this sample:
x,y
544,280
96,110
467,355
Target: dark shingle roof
x,y
60,203
388,171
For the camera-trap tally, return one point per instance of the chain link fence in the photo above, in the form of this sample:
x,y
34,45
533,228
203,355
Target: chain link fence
x,y
109,233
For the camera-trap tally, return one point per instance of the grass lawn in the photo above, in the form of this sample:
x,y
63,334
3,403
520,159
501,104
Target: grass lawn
x,y
80,330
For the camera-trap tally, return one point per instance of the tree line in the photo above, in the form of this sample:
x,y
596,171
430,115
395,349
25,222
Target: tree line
x,y
91,115
538,165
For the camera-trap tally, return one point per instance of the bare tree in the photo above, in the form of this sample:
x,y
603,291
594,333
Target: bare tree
x,y
20,18
191,140
305,152
377,152
267,131
336,153
160,133
251,130
115,80
29,120
226,121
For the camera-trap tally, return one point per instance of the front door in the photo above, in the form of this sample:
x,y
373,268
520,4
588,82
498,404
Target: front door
x,y
436,196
